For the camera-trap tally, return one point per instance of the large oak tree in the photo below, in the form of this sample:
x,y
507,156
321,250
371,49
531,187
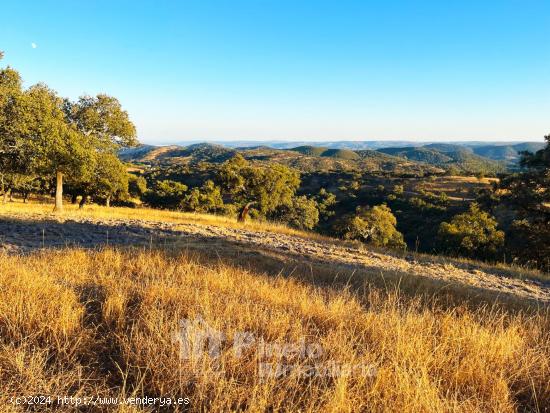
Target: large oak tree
x,y
44,134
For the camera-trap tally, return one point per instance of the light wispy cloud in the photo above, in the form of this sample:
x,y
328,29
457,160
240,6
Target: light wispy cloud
x,y
34,45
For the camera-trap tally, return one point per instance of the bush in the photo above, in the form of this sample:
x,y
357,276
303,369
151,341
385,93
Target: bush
x,y
472,234
206,199
302,213
137,186
325,204
166,194
374,226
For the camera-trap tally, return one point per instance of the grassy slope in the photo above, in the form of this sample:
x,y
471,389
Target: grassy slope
x,y
103,322
147,214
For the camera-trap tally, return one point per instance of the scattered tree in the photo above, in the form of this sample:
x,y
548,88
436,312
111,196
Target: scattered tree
x,y
137,186
266,186
44,135
527,195
473,234
58,148
166,194
376,226
301,213
206,199
325,204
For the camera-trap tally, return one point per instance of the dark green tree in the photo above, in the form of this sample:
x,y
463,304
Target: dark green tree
x,y
107,127
301,213
14,122
375,226
267,186
527,195
166,194
137,186
326,201
42,134
208,198
472,234
107,181
110,179
57,148
103,118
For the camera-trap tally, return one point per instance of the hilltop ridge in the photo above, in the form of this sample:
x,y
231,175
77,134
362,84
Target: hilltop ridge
x,y
226,238
408,157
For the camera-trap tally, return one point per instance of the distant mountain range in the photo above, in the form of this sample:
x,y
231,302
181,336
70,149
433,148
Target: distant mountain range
x,y
402,156
374,145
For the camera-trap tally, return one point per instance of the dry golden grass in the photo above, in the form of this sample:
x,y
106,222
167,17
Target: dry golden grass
x,y
456,187
149,214
76,322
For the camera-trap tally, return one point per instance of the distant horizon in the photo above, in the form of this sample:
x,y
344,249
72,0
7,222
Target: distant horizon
x,y
184,142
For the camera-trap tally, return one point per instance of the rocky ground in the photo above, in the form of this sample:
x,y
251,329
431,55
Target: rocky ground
x,y
23,233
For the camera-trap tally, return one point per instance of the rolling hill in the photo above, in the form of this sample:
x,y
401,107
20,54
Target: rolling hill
x,y
419,154
449,155
345,156
304,158
149,154
506,152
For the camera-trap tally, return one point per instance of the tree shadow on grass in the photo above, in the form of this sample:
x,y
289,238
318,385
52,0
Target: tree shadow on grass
x,y
359,278
27,235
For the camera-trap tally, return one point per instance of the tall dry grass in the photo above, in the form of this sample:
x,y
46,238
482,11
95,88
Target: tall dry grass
x,y
77,322
150,214
43,210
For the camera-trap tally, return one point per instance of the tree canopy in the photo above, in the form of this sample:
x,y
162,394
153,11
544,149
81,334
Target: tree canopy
x,y
376,226
42,134
472,233
268,186
527,195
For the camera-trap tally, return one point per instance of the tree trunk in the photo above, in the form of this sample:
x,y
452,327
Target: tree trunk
x,y
244,212
7,193
3,189
82,201
58,191
108,201
74,199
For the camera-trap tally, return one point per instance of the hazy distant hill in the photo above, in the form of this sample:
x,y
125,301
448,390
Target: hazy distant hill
x,y
448,147
419,154
326,152
476,146
506,152
309,158
353,145
449,155
208,152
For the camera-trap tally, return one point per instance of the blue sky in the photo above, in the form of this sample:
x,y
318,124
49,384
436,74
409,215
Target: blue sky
x,y
303,70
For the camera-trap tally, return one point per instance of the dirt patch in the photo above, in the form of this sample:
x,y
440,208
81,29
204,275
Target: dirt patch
x,y
23,233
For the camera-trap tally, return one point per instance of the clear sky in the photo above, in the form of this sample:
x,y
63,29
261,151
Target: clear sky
x,y
296,69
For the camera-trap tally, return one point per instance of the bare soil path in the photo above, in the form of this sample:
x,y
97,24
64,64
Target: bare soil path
x,y
25,232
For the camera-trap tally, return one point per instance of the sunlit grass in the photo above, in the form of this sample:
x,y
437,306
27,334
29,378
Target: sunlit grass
x,y
103,322
149,214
